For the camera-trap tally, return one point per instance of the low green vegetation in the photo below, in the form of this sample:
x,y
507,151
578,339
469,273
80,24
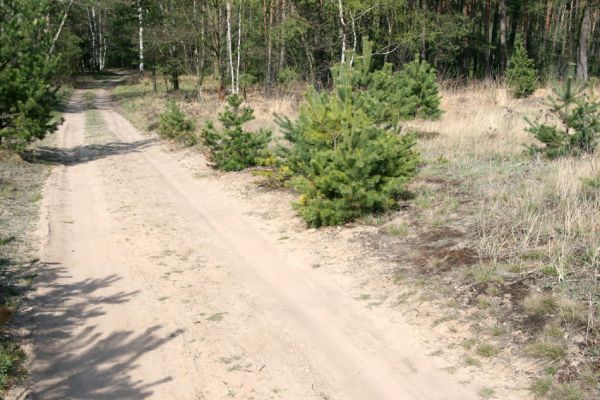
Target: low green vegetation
x,y
89,98
417,91
21,184
487,350
541,386
547,350
28,95
12,359
540,304
521,74
347,160
566,391
487,393
399,230
174,124
234,148
578,112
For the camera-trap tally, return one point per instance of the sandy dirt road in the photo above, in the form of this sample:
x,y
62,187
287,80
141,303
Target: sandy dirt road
x,y
157,285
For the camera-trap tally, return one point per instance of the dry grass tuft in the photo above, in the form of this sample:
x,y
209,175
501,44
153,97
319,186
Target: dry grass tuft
x,y
546,350
540,304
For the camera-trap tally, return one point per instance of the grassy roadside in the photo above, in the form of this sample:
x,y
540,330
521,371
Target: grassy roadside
x,y
511,239
142,106
21,185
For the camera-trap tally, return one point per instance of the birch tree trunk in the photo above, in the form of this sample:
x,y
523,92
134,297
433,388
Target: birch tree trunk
x,y
342,30
60,28
141,23
229,47
354,36
239,49
91,17
101,44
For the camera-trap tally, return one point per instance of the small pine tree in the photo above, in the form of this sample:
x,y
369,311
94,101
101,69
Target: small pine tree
x,y
521,73
234,149
579,114
418,91
175,125
386,96
345,164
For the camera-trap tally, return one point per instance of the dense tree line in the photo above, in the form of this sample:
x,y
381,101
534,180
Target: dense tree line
x,y
241,42
247,41
244,41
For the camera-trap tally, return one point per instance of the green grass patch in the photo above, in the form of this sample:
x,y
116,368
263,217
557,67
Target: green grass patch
x,y
472,362
540,304
12,359
486,393
487,350
566,391
546,350
541,386
89,98
397,230
483,273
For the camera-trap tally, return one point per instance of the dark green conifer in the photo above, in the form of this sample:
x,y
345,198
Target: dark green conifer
x,y
418,91
174,124
521,73
579,114
27,95
346,161
234,149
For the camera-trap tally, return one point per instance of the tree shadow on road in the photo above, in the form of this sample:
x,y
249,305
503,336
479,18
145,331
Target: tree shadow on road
x,y
90,365
85,153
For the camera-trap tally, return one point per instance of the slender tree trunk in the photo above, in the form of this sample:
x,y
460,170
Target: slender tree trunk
x,y
282,48
101,44
91,17
154,85
229,48
239,49
311,68
486,29
60,28
141,26
269,77
342,30
548,16
199,49
582,54
389,38
502,35
423,32
354,38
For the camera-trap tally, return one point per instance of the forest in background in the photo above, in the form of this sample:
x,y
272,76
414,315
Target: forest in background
x,y
243,42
